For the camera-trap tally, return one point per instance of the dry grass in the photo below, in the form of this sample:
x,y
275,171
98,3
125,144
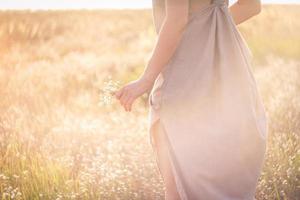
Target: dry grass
x,y
63,137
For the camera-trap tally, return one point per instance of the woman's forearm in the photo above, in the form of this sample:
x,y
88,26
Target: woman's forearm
x,y
242,10
166,44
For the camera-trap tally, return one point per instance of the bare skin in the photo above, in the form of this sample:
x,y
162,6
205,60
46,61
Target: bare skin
x,y
168,38
243,10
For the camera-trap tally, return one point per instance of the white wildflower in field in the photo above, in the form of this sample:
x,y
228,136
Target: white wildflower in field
x,y
107,91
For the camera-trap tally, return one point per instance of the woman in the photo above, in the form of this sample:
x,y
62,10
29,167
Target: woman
x,y
207,122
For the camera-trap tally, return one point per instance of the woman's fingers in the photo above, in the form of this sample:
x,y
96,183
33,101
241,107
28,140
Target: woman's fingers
x,y
119,93
128,103
123,95
124,98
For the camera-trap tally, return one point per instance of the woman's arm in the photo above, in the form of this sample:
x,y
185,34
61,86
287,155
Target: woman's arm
x,y
175,20
168,38
244,9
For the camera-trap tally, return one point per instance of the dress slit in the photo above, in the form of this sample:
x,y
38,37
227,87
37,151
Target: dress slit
x,y
170,155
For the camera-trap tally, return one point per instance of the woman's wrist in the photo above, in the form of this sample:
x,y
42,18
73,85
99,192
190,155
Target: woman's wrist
x,y
147,79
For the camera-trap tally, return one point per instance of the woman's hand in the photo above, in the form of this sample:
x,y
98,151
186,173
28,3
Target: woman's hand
x,y
131,91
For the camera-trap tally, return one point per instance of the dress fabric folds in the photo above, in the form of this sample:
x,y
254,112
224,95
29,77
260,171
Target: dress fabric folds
x,y
207,99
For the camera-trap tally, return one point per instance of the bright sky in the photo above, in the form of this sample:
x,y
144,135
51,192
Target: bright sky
x,y
90,4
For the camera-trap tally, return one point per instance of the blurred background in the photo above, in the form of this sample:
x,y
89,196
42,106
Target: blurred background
x,y
62,135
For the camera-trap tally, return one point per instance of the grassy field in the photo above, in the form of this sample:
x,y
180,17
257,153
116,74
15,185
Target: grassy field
x,y
63,137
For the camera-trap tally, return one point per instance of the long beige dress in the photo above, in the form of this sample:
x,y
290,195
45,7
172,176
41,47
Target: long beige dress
x,y
207,99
